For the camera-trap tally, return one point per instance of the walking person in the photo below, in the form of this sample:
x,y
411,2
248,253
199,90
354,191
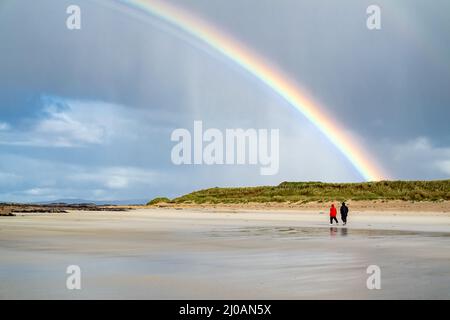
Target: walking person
x,y
344,213
333,213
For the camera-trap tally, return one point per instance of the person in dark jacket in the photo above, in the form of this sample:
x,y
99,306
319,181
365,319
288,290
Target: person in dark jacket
x,y
344,213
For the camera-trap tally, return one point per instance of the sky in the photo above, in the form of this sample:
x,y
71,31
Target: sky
x,y
89,113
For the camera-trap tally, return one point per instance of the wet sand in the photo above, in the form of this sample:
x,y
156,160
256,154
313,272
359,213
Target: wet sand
x,y
201,254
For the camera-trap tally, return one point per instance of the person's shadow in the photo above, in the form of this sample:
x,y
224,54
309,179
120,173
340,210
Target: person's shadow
x,y
334,232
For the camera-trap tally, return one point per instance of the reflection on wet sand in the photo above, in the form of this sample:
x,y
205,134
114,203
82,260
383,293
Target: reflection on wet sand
x,y
333,231
319,232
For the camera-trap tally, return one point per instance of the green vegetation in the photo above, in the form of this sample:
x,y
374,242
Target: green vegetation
x,y
303,192
158,200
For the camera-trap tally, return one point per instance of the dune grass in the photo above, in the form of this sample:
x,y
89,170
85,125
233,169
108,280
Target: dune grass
x,y
304,192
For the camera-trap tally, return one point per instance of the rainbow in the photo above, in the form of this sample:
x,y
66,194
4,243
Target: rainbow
x,y
266,73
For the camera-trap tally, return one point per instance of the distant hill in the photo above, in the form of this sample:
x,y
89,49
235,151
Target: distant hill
x,y
96,202
304,192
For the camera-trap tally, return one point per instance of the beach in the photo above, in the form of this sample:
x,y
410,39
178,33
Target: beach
x,y
212,253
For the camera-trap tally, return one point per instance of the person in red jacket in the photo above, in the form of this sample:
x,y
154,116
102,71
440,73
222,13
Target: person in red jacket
x,y
333,213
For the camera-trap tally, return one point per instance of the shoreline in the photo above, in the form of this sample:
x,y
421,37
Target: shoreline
x,y
357,220
398,206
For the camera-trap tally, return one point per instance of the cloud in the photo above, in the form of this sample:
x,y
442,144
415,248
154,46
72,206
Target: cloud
x,y
31,179
38,191
419,159
116,177
60,128
4,126
59,125
8,179
73,123
444,165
